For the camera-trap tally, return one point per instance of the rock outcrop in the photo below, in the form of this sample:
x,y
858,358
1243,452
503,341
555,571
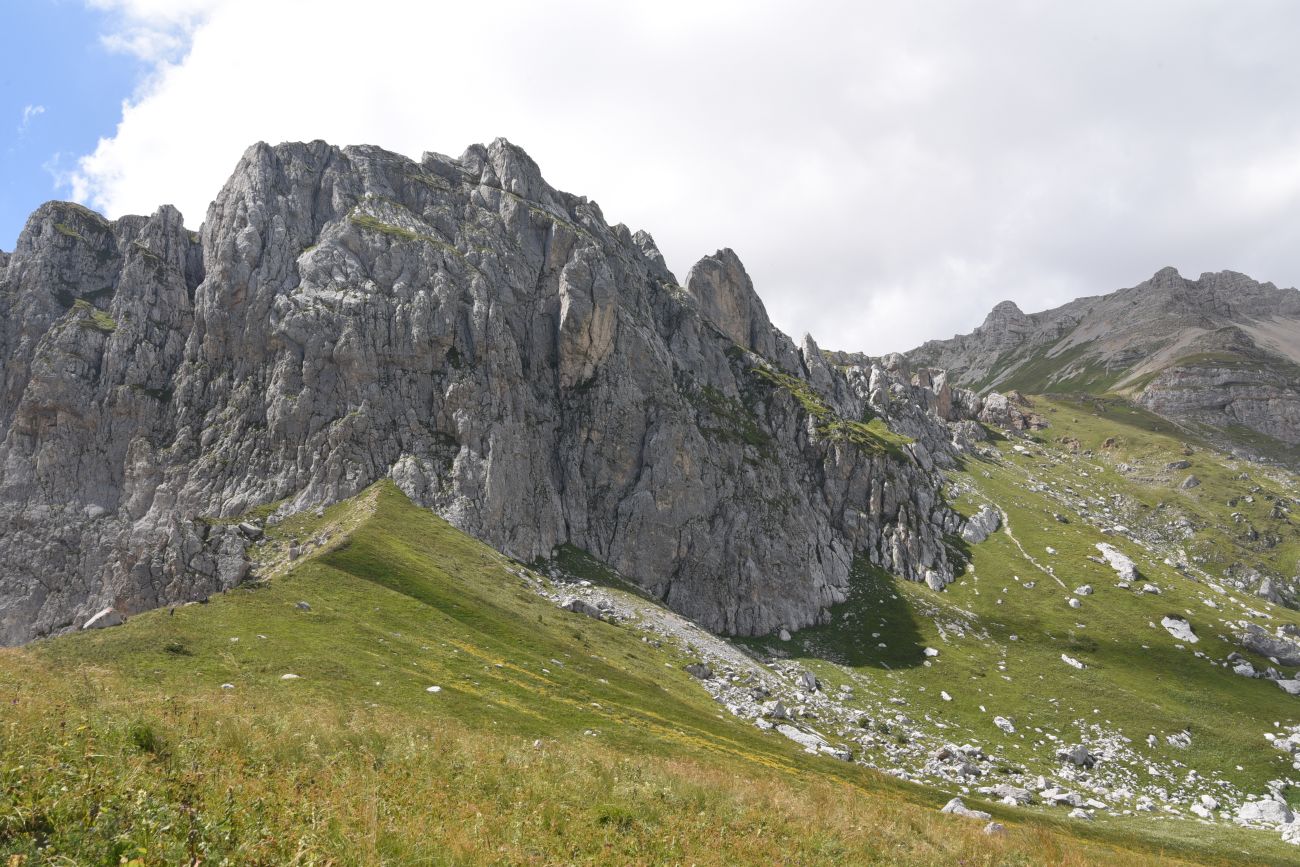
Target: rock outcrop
x,y
533,374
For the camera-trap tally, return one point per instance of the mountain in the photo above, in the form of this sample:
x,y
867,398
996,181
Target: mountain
x,y
531,373
386,688
1219,354
409,512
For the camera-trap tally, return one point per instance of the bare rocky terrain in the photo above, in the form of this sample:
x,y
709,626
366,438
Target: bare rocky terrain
x,y
1220,354
530,372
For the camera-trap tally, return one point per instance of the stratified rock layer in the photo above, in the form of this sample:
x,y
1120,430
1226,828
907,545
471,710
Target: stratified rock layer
x,y
513,362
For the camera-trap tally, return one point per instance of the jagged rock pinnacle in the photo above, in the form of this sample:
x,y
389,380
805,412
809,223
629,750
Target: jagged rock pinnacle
x,y
512,361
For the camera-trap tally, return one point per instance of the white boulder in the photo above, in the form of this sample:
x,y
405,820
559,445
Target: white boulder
x,y
1179,628
104,619
1124,567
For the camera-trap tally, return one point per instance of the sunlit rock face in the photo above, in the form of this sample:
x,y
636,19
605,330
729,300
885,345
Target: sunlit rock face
x,y
515,363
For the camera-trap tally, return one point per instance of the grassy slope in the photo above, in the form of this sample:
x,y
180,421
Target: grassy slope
x,y
554,738
1138,681
1078,370
1038,369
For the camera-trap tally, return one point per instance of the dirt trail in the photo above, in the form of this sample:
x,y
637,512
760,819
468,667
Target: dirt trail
x,y
1046,570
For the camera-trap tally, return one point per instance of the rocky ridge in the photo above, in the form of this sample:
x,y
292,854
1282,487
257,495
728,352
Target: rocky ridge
x,y
1220,353
511,360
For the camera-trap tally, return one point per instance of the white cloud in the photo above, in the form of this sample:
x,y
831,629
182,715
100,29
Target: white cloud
x,y
887,171
30,113
152,30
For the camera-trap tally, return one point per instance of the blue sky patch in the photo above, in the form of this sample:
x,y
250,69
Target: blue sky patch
x,y
60,91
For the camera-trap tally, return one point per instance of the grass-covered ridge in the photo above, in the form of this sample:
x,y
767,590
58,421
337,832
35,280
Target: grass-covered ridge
x,y
553,738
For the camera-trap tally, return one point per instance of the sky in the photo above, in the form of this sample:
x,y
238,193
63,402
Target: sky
x,y
887,171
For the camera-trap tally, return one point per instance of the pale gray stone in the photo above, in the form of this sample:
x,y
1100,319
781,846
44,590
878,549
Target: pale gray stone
x,y
1265,811
981,525
532,374
1258,640
958,808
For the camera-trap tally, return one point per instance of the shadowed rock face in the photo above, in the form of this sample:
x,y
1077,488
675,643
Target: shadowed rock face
x,y
531,373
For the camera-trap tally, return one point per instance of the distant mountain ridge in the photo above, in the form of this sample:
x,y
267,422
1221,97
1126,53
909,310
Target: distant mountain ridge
x,y
1220,353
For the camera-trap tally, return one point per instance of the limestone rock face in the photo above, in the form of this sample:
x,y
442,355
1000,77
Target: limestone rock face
x,y
726,297
512,361
1005,326
1255,639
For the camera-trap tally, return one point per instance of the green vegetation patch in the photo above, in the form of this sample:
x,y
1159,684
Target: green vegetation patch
x,y
69,231
727,418
1070,370
371,223
872,436
93,318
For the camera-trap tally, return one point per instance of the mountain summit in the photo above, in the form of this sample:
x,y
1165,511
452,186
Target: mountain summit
x,y
513,362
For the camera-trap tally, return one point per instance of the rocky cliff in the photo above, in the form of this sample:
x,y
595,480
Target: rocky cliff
x,y
1219,354
533,374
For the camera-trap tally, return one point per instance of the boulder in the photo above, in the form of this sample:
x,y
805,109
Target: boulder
x,y
1264,812
957,808
1179,628
1078,755
104,619
810,741
1005,792
1120,562
1257,640
1061,797
1268,590
981,525
776,710
578,605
